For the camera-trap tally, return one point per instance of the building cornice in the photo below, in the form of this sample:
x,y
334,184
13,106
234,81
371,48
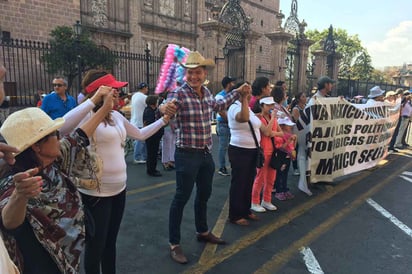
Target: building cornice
x,y
167,30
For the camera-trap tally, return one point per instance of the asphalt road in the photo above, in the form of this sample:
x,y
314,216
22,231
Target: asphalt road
x,y
340,229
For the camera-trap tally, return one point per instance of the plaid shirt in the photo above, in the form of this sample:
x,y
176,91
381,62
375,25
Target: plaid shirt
x,y
192,120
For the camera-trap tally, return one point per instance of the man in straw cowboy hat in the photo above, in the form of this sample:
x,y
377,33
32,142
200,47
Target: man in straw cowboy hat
x,y
194,105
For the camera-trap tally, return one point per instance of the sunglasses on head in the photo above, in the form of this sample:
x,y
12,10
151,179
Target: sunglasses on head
x,y
58,85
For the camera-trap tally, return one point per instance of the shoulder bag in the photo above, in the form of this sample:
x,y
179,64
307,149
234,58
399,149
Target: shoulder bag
x,y
260,157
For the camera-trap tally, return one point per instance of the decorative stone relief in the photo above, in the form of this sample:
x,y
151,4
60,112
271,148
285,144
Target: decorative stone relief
x,y
167,7
99,12
187,8
148,5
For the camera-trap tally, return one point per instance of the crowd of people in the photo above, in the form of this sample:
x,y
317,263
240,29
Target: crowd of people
x,y
48,220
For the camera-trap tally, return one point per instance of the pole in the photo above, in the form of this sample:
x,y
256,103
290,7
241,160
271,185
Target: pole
x,y
79,71
147,51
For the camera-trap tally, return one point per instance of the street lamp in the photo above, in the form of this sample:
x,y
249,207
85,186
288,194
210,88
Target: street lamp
x,y
147,55
77,28
286,63
225,53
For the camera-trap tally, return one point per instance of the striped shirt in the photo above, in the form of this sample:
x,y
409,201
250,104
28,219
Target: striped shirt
x,y
193,116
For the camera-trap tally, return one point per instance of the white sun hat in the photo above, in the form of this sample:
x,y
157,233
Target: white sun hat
x,y
25,127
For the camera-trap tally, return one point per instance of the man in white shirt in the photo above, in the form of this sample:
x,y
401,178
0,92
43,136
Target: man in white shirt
x,y
376,95
325,85
137,107
406,113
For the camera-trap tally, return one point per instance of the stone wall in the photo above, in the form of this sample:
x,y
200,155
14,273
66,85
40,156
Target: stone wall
x,y
264,20
34,19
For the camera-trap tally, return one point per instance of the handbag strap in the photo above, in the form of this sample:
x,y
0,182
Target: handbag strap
x,y
273,142
253,133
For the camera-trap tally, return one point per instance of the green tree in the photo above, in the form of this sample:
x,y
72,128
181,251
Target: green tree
x,y
355,62
67,53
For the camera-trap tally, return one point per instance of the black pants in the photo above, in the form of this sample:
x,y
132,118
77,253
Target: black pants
x,y
395,134
152,146
243,166
281,181
100,250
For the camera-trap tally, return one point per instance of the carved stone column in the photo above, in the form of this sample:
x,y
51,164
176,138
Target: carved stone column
x,y
250,54
211,47
321,63
334,70
303,64
280,41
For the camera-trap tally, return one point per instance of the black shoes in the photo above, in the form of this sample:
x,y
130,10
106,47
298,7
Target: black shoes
x,y
155,173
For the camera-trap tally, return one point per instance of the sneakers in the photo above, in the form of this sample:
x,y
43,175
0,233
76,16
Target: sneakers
x,y
289,195
280,196
268,206
257,208
223,171
139,162
296,172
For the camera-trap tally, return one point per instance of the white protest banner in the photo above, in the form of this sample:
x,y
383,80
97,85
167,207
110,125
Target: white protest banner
x,y
343,138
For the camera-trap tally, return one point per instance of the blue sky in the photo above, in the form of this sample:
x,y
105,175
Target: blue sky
x,y
384,27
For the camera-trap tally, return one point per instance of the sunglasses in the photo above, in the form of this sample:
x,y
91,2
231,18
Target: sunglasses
x,y
58,85
54,133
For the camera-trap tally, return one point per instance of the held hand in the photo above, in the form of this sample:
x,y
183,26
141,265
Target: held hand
x,y
170,108
100,94
108,101
244,90
27,185
7,153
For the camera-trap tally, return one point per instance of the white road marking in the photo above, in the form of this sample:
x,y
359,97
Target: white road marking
x,y
310,261
392,218
406,155
406,178
407,173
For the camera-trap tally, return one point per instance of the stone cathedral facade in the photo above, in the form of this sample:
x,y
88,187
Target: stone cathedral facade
x,y
242,27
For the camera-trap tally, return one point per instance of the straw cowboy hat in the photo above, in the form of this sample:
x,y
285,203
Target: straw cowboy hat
x,y
390,93
25,127
376,91
195,59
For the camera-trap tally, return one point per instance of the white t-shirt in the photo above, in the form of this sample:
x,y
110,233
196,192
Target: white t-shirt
x,y
312,100
109,141
138,105
240,134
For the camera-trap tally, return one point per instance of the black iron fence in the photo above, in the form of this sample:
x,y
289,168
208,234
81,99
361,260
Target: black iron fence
x,y
350,88
27,74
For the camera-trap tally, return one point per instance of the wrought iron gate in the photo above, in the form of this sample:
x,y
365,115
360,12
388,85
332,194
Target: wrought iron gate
x,y
233,14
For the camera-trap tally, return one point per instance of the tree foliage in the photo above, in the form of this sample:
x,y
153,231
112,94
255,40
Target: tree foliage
x,y
355,62
67,54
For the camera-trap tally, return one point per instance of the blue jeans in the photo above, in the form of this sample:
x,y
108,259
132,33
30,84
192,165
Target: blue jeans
x,y
140,152
191,167
223,132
